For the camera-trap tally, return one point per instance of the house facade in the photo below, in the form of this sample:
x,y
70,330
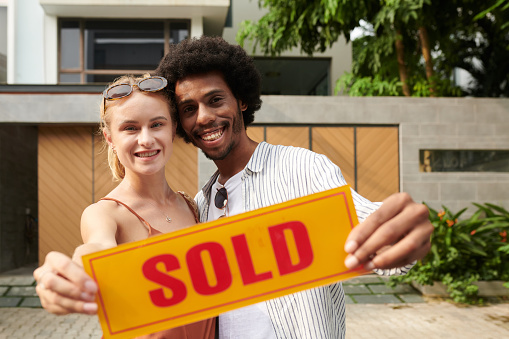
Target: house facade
x,y
57,55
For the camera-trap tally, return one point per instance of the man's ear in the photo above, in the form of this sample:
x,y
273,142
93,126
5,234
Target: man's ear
x,y
242,106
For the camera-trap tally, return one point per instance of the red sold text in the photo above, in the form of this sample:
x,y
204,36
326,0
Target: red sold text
x,y
221,266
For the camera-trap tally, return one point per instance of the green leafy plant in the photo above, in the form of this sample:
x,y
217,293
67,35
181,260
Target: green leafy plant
x,y
464,251
367,86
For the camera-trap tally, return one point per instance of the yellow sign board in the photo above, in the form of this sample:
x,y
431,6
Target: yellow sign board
x,y
202,271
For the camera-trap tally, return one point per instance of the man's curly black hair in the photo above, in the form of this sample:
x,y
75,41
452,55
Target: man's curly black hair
x,y
207,54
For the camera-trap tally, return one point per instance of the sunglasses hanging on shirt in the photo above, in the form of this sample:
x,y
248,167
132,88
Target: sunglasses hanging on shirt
x,y
221,200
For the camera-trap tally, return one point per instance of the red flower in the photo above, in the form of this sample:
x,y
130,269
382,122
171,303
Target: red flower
x,y
473,232
504,236
449,222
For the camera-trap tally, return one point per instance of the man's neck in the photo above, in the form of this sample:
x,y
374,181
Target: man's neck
x,y
236,160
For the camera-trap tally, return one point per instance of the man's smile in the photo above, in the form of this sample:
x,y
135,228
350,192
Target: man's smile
x,y
212,135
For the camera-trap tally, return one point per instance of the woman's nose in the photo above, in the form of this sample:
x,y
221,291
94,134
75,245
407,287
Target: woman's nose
x,y
145,137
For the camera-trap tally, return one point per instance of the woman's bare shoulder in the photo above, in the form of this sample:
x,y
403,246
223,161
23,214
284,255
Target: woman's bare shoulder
x,y
100,215
101,207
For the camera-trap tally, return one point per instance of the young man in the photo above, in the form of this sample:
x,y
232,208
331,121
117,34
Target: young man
x,y
216,90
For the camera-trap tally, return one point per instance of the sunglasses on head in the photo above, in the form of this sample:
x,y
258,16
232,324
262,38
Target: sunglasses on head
x,y
221,200
150,84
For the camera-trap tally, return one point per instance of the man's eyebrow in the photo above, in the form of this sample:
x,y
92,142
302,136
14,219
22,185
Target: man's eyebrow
x,y
208,94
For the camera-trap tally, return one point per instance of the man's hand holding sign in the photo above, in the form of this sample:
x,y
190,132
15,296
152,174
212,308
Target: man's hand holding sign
x,y
200,272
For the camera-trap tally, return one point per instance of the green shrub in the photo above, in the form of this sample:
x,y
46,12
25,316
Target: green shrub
x,y
465,251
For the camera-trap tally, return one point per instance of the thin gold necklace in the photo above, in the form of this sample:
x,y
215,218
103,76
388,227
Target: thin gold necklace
x,y
168,219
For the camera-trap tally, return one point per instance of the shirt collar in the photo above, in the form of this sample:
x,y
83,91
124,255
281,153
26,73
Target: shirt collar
x,y
254,165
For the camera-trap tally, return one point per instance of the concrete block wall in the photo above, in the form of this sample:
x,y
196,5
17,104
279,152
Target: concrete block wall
x,y
466,123
424,123
18,191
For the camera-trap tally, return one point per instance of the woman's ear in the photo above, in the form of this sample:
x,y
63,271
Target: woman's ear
x,y
107,137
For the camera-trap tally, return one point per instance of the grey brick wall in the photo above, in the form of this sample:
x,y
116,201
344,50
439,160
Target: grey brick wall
x,y
427,123
424,123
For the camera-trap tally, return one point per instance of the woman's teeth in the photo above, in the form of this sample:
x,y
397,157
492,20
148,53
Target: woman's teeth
x,y
146,154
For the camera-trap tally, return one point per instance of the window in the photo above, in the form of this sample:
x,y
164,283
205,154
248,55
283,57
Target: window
x,y
464,160
98,51
294,76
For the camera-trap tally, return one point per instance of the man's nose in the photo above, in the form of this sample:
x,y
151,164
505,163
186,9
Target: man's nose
x,y
205,115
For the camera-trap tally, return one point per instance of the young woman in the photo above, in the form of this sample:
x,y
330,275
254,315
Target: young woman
x,y
139,125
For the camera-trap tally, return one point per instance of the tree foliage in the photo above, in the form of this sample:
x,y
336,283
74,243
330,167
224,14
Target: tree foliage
x,y
411,46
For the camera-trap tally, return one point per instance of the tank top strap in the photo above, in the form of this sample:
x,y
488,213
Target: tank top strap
x,y
147,225
192,205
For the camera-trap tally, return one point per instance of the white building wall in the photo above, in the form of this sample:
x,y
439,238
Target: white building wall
x,y
50,49
29,35
3,41
196,26
3,28
27,66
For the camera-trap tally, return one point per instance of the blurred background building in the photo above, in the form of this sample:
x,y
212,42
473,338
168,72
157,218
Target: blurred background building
x,y
57,55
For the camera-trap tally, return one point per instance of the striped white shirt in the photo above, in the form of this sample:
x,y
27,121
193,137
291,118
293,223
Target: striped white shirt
x,y
276,174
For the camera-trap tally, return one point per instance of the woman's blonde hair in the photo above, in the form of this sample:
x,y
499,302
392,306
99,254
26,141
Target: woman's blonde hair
x,y
116,167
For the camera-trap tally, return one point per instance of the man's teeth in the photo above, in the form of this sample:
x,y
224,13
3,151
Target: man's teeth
x,y
147,154
212,136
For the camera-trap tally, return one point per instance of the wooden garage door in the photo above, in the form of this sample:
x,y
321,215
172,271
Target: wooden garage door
x,y
377,162
73,173
368,156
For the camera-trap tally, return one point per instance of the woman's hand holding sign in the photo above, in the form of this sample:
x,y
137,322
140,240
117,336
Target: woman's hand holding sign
x,y
64,287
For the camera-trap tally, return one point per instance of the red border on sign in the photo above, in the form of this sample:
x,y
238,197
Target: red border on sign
x,y
232,302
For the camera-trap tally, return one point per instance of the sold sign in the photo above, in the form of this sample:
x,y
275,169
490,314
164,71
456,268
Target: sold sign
x,y
202,271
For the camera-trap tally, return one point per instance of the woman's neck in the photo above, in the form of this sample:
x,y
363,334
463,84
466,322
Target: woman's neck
x,y
153,187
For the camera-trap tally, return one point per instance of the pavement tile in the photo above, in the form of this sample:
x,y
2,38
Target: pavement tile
x,y
6,281
349,300
31,302
9,302
435,320
399,289
366,279
356,289
22,291
17,280
3,289
412,298
376,299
